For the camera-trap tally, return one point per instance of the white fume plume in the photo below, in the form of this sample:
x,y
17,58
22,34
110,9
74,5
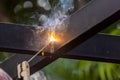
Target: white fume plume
x,y
43,18
66,5
56,19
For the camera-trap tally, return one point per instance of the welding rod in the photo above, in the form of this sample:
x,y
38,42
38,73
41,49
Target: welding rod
x,y
38,52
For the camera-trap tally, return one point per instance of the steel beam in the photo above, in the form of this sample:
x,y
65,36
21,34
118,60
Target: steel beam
x,y
92,49
102,47
83,24
19,38
88,21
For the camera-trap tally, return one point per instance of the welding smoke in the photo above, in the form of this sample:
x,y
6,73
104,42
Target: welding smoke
x,y
55,21
58,15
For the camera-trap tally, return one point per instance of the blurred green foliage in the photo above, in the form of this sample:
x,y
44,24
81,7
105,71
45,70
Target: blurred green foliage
x,y
62,69
4,55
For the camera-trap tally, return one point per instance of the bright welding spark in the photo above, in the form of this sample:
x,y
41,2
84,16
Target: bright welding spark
x,y
52,37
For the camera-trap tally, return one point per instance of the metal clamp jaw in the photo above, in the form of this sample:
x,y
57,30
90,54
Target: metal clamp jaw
x,y
23,70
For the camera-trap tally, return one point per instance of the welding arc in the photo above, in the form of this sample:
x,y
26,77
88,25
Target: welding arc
x,y
38,53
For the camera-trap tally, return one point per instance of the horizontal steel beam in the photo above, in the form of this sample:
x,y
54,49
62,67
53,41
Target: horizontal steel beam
x,y
19,38
101,47
83,24
92,49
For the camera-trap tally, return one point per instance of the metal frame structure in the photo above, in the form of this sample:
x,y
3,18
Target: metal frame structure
x,y
83,24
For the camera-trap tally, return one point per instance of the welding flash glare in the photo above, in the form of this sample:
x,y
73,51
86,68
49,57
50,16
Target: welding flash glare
x,y
52,37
